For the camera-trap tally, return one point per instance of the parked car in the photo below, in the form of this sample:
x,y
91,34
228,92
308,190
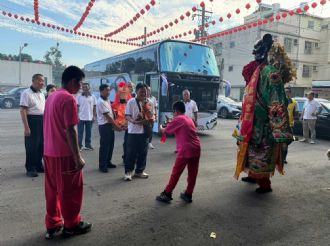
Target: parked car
x,y
323,120
11,99
228,108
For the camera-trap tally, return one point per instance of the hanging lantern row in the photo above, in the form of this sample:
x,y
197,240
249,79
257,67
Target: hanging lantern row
x,y
36,10
135,18
85,14
266,21
66,30
170,24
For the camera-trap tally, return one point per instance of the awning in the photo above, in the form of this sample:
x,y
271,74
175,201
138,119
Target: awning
x,y
321,84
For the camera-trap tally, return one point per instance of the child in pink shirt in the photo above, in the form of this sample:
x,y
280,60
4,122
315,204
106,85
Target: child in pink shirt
x,y
188,153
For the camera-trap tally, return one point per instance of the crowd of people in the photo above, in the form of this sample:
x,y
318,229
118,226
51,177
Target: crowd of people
x,y
55,128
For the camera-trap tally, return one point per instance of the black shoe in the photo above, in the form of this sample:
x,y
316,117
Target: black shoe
x,y
285,162
186,197
249,180
50,233
103,170
164,197
263,190
32,174
81,228
110,165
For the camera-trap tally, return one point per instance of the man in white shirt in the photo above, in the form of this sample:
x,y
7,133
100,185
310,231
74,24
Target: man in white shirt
x,y
138,139
312,109
105,120
32,105
191,106
154,103
87,114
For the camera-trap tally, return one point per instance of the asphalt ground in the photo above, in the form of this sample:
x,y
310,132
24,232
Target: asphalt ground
x,y
297,212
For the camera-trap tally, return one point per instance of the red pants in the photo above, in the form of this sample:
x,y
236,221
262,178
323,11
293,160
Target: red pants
x,y
64,191
179,166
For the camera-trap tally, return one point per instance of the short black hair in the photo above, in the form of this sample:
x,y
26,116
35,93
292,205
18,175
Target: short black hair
x,y
103,86
86,83
70,73
179,107
140,86
311,93
37,75
49,87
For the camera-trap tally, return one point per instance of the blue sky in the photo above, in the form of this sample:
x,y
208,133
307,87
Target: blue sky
x,y
106,16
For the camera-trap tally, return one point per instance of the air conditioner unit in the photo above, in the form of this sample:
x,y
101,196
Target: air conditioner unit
x,y
295,42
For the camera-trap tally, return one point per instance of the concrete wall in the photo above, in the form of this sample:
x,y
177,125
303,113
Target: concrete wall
x,y
9,71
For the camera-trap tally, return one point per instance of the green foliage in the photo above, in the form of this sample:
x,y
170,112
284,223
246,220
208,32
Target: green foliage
x,y
53,57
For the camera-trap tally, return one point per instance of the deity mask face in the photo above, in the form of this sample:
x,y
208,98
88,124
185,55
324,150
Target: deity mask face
x,y
262,47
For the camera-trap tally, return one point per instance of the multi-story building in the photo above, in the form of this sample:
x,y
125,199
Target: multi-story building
x,y
304,36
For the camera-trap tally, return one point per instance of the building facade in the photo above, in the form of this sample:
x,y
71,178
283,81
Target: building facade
x,y
9,71
304,36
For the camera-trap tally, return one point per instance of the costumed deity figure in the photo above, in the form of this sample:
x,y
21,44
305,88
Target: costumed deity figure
x,y
264,122
119,105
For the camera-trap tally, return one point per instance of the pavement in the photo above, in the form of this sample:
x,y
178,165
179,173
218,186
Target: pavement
x,y
297,212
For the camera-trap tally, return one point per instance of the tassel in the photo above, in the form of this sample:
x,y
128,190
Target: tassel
x,y
163,138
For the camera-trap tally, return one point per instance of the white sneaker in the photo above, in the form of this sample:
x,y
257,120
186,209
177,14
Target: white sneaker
x,y
312,142
142,175
303,140
151,146
128,176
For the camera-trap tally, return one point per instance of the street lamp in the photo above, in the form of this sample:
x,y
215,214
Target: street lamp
x,y
20,62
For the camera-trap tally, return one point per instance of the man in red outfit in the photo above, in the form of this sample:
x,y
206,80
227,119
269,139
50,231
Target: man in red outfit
x,y
63,162
189,149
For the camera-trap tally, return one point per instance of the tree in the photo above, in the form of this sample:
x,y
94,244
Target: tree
x,y
53,57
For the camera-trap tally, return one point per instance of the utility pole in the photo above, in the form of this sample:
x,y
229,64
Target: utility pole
x,y
204,17
20,63
145,37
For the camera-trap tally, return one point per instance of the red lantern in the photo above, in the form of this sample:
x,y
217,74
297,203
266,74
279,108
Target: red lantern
x,y
299,10
9,14
152,2
314,5
4,12
166,26
213,22
221,19
235,30
323,2
190,32
16,16
171,23
206,25
180,35
162,28
255,24
284,15
201,28
259,22
229,15
265,21
158,30
154,32
134,18
291,12
131,22
27,19
202,4
58,28
187,13
238,11
249,26
194,9
33,21
184,34
258,1
244,28
53,26
248,6
306,7
278,17
142,11
22,18
176,21
147,7
182,17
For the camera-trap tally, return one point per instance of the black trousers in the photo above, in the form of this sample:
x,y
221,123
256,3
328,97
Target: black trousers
x,y
125,145
107,141
34,144
136,153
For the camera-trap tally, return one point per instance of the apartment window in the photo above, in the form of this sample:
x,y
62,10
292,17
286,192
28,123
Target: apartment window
x,y
288,44
315,69
218,49
231,68
306,71
316,45
310,25
295,42
308,48
232,44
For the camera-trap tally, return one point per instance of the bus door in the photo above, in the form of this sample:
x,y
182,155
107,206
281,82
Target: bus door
x,y
153,80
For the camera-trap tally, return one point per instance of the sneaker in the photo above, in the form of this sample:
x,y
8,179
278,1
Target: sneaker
x,y
50,233
32,174
89,148
151,146
249,180
303,140
110,165
186,197
103,170
312,142
81,228
164,197
263,190
142,175
128,176
82,148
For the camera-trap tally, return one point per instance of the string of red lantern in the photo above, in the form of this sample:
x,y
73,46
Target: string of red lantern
x,y
65,30
168,25
36,10
134,19
261,22
85,14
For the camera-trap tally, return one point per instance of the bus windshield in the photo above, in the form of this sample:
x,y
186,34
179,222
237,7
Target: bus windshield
x,y
187,58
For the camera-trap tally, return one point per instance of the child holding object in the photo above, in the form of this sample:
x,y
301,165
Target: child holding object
x,y
188,147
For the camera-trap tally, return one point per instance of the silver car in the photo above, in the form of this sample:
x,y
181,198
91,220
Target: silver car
x,y
228,108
